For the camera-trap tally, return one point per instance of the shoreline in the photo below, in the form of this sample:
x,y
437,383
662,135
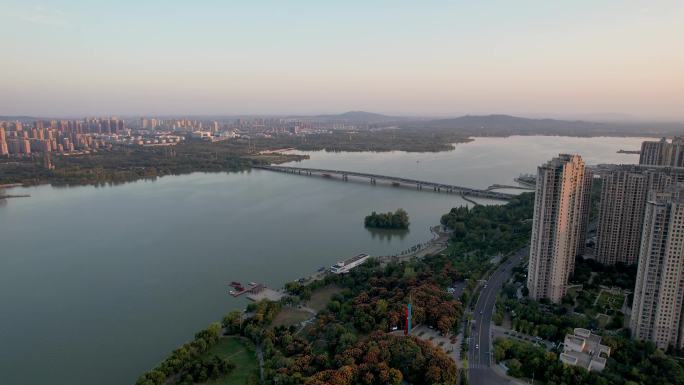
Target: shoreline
x,y
298,157
7,196
438,243
48,182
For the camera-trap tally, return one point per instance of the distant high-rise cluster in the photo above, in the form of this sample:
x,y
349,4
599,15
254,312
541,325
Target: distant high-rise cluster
x,y
146,123
559,225
663,153
17,138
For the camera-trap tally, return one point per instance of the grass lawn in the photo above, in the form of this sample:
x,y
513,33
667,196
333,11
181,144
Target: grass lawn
x,y
603,320
290,316
239,351
320,297
574,291
608,300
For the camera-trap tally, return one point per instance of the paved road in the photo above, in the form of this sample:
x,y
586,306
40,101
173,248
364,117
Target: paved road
x,y
479,353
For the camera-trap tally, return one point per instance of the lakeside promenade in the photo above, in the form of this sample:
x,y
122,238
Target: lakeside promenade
x,y
438,243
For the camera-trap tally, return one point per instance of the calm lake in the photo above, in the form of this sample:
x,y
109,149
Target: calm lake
x,y
98,284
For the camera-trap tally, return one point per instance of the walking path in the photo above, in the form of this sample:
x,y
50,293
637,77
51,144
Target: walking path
x,y
438,243
260,355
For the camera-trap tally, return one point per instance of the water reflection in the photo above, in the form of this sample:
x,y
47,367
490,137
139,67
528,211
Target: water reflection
x,y
165,249
388,234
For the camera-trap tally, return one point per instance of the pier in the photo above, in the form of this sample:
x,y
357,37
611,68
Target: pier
x,y
255,292
395,181
253,288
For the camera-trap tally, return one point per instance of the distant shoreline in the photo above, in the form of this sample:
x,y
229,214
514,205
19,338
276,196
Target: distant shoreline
x,y
28,173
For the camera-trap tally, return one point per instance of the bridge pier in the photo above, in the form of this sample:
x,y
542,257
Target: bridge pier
x,y
373,181
345,177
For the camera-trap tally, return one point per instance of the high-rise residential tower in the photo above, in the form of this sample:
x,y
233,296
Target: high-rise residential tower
x,y
4,149
560,216
663,153
624,192
659,290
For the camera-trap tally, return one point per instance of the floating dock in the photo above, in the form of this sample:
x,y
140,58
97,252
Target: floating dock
x,y
253,288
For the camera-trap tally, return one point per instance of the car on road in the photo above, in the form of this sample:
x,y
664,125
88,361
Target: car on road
x,y
477,346
480,312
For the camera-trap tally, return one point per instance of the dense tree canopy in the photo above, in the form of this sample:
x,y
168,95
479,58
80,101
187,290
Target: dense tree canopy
x,y
391,220
491,229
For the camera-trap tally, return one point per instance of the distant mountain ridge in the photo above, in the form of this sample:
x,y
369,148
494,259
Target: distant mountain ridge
x,y
503,125
507,121
17,117
358,116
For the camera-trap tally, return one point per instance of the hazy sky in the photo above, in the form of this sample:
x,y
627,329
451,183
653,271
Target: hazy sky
x,y
543,58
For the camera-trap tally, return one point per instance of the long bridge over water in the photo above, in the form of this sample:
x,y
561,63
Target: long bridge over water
x,y
396,181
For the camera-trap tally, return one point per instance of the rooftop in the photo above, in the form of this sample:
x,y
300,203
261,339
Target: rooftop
x,y
583,348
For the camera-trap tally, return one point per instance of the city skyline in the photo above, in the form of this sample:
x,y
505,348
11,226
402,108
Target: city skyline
x,y
579,60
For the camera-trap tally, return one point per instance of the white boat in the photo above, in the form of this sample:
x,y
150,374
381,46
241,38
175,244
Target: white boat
x,y
345,266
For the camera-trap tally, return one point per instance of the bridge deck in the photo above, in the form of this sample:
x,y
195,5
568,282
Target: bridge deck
x,y
374,177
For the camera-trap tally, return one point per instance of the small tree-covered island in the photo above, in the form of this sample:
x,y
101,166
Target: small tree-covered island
x,y
398,220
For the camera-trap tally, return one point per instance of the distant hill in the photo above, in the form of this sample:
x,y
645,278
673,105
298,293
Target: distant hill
x,y
502,125
507,122
359,116
20,118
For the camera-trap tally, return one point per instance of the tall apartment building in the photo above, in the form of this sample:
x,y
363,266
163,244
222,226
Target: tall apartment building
x,y
659,290
560,216
624,194
663,153
4,149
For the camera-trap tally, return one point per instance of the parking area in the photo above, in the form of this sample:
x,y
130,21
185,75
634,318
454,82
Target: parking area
x,y
498,331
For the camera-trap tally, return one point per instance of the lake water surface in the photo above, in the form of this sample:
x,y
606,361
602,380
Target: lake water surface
x,y
98,284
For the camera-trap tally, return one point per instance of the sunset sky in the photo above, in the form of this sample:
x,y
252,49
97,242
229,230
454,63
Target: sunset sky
x,y
529,58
